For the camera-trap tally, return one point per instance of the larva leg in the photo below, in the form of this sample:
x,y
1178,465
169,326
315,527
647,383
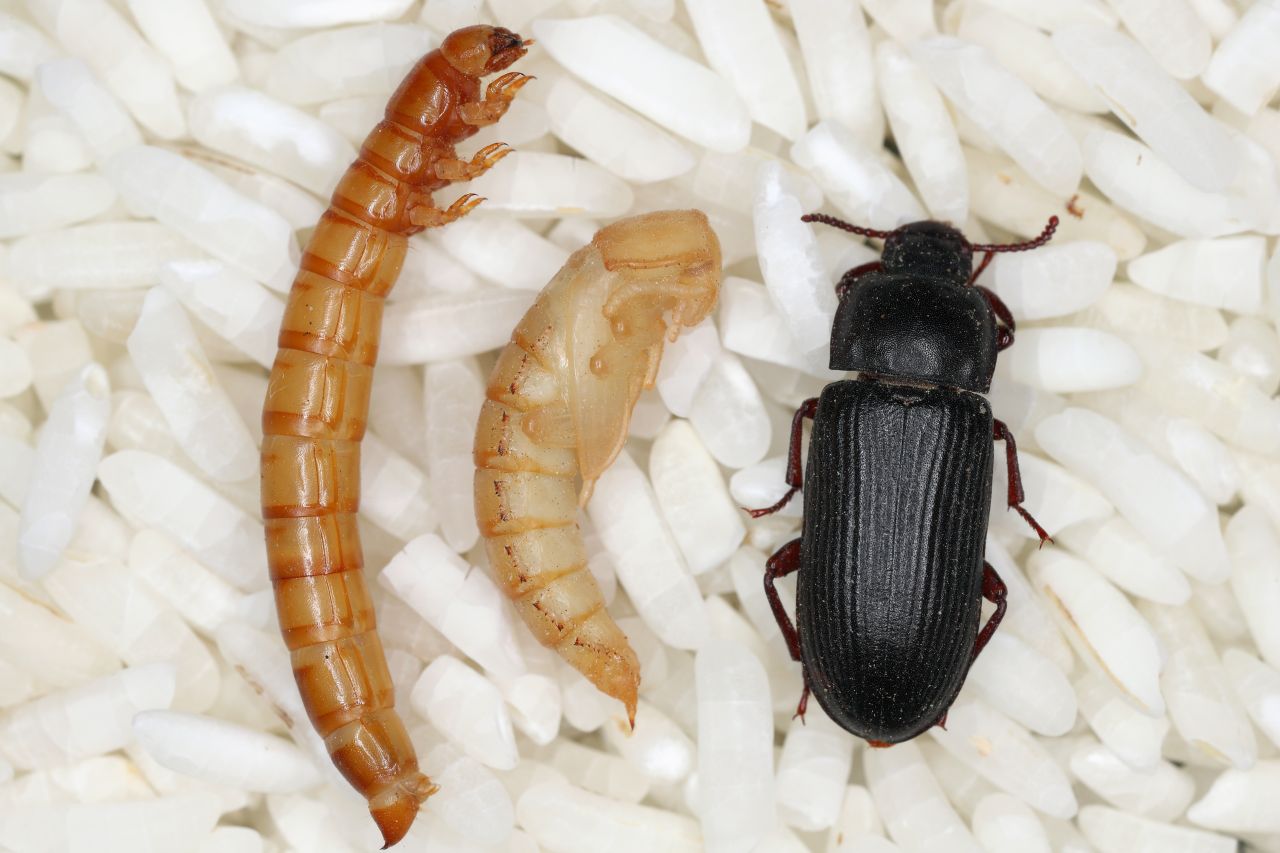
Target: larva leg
x,y
424,213
482,161
497,99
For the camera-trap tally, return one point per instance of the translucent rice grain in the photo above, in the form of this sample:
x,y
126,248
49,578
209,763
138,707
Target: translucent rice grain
x,y
15,368
1052,15
855,178
1053,281
742,44
1004,195
287,14
280,138
233,839
1005,108
1003,824
1162,793
471,800
1029,53
924,133
235,306
55,651
1258,687
913,807
1222,273
224,753
1028,615
1016,679
394,491
204,599
684,97
504,251
752,327
1066,360
159,825
1129,309
23,48
32,202
686,362
1116,550
1006,755
612,136
247,235
568,819
858,826
116,608
1241,71
599,772
67,456
186,33
465,707
1158,500
459,601
1055,498
906,20
151,491
1113,831
91,719
1255,578
812,771
837,56
453,393
1133,736
1253,350
72,88
180,379
625,514
1108,633
532,184
657,746
445,326
692,496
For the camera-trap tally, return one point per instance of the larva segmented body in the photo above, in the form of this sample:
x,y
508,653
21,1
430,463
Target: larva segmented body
x,y
318,400
556,413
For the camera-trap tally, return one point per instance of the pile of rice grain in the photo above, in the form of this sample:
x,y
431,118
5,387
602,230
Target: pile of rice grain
x,y
162,161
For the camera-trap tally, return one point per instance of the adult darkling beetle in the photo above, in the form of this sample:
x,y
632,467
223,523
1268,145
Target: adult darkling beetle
x,y
897,487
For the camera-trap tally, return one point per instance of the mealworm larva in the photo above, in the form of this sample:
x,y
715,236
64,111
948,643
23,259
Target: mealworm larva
x,y
556,413
318,401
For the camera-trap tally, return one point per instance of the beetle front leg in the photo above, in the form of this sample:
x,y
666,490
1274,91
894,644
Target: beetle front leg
x,y
846,281
795,474
1006,328
1016,494
993,590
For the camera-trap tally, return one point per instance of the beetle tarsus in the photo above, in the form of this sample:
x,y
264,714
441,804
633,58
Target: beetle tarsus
x,y
1016,494
803,707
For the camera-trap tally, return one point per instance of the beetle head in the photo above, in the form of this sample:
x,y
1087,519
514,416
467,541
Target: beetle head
x,y
928,247
480,50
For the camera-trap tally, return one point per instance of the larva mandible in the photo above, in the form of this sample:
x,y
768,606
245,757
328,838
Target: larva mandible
x,y
556,412
318,400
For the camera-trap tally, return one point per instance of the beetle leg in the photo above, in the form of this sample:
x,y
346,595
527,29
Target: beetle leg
x,y
785,561
1006,327
803,707
846,281
1016,494
993,590
795,474
986,262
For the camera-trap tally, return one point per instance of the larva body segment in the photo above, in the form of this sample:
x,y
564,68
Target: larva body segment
x,y
318,400
556,413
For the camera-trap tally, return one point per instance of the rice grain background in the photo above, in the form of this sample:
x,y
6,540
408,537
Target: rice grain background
x,y
160,162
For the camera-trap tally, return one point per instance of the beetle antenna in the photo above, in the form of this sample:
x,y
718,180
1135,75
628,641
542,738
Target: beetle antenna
x,y
1045,236
844,226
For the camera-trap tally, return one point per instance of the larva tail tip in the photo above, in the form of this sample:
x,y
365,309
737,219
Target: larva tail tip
x,y
395,809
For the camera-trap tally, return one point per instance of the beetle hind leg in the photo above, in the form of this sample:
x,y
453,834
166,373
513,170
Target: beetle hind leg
x,y
995,591
1016,494
785,561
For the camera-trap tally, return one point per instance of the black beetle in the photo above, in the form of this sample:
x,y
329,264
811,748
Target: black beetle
x,y
897,487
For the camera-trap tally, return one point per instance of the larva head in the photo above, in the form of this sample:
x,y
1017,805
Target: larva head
x,y
481,50
670,265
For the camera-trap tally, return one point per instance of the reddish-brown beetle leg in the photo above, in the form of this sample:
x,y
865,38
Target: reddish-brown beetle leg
x,y
795,474
993,590
1006,327
846,281
1016,494
781,564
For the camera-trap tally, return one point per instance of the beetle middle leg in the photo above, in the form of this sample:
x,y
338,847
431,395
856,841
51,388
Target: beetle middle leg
x,y
993,590
785,561
1016,494
795,474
